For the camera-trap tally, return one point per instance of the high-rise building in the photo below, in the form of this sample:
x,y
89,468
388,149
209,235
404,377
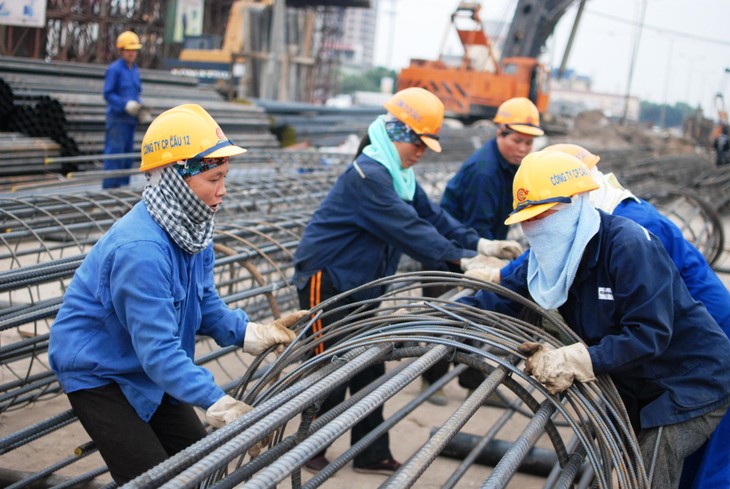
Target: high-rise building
x,y
358,35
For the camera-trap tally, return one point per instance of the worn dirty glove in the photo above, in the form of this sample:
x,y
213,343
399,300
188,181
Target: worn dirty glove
x,y
479,261
487,274
225,410
132,107
557,368
259,337
500,248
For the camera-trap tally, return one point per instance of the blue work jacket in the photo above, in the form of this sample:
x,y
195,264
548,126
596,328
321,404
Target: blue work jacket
x,y
358,233
480,193
121,84
131,314
631,307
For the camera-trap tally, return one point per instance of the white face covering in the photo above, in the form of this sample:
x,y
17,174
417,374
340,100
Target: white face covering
x,y
610,192
557,243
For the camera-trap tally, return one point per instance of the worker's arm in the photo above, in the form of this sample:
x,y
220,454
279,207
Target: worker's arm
x,y
225,325
389,217
112,83
444,223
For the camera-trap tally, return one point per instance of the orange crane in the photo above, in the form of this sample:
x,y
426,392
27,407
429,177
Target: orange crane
x,y
480,83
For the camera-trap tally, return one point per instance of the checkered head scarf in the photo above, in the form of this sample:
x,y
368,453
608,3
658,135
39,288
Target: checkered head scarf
x,y
175,207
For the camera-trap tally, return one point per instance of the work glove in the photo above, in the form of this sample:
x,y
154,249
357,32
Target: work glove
x,y
144,115
259,337
556,369
487,274
500,248
132,107
479,261
225,410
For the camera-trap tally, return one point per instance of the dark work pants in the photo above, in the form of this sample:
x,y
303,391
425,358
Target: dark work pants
x,y
128,445
318,289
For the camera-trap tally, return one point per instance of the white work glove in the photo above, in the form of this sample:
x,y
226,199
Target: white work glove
x,y
500,248
225,410
556,369
259,337
132,107
487,274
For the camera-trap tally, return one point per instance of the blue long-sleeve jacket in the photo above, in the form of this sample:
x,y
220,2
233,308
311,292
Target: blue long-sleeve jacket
x,y
362,226
131,314
668,358
121,84
702,282
480,193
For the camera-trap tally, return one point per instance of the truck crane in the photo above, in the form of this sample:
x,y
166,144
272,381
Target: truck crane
x,y
480,83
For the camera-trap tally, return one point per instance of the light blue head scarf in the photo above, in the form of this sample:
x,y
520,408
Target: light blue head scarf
x,y
557,243
382,150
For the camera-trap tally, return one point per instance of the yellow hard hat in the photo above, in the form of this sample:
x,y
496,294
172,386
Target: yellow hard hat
x,y
545,179
421,111
181,133
521,115
589,159
128,40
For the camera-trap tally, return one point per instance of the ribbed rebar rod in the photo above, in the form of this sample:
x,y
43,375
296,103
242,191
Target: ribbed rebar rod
x,y
507,467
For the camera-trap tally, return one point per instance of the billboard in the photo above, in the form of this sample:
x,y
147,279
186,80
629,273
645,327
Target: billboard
x,y
27,13
188,19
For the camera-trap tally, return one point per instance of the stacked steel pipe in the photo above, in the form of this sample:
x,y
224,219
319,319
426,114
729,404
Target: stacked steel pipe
x,y
64,102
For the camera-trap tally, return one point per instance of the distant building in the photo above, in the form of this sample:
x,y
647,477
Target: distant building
x,y
572,94
358,36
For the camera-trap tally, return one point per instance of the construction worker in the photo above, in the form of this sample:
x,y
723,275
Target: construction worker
x,y
123,342
480,193
374,212
122,92
708,467
721,144
618,290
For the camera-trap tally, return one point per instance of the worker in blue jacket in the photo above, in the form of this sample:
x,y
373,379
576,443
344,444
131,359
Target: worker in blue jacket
x,y
374,212
480,193
122,92
709,466
123,342
618,290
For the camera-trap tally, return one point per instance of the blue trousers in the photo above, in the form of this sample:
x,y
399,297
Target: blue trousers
x,y
119,139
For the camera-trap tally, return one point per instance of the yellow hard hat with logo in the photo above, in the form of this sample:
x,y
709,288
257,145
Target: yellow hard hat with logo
x,y
545,179
521,115
421,111
181,133
588,158
128,40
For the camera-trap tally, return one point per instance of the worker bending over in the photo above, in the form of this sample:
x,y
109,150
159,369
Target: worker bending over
x,y
123,342
375,211
618,290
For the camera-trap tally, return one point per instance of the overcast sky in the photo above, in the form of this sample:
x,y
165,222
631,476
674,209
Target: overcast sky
x,y
683,50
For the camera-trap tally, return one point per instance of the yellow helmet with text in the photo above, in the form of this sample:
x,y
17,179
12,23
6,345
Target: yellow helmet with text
x,y
421,111
128,40
181,133
545,179
588,158
521,115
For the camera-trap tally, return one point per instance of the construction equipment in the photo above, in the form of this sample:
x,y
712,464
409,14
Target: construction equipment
x,y
475,88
